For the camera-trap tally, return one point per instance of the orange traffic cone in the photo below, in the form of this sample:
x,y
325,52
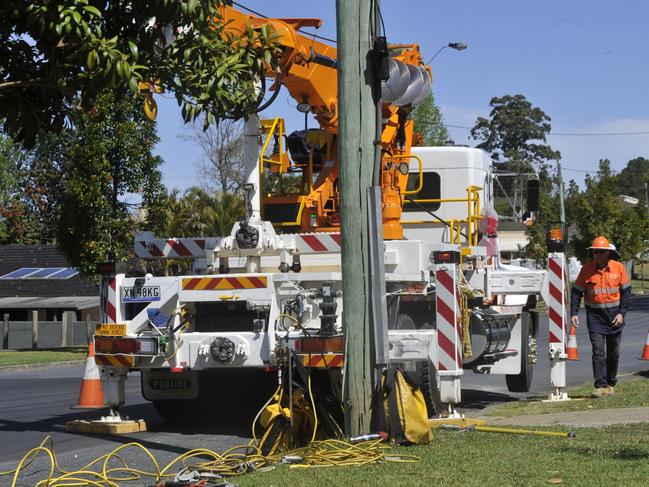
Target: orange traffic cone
x,y
91,396
645,352
571,349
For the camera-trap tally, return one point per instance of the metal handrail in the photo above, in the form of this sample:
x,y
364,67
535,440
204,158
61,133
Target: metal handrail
x,y
421,171
473,216
298,220
278,121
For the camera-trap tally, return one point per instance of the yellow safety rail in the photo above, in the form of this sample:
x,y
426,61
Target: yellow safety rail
x,y
421,171
473,216
298,219
271,127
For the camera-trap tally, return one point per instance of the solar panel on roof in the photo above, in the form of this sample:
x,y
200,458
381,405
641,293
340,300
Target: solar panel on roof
x,y
45,272
41,273
65,274
20,273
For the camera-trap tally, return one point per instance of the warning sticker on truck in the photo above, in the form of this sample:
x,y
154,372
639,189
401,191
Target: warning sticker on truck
x,y
140,293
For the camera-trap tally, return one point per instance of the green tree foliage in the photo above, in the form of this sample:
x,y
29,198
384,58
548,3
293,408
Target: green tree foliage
x,y
514,136
29,207
11,160
110,158
429,123
200,213
515,133
596,211
632,179
59,55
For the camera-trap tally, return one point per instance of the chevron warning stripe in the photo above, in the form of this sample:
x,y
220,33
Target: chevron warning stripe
x,y
448,310
224,283
323,360
307,243
177,248
115,360
108,299
556,306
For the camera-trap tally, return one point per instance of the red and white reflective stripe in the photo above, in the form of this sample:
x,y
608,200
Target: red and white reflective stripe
x,y
307,243
107,299
178,248
448,314
111,302
557,300
91,371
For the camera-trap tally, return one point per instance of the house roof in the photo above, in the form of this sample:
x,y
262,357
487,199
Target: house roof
x,y
13,257
74,302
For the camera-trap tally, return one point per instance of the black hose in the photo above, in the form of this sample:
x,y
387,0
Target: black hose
x,y
423,208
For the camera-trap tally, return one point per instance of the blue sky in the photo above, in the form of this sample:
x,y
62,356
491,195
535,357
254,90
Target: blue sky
x,y
584,62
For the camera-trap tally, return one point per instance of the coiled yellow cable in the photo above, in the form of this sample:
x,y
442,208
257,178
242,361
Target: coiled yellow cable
x,y
238,460
235,461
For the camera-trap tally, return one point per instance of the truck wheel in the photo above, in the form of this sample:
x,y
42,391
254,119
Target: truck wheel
x,y
523,381
430,388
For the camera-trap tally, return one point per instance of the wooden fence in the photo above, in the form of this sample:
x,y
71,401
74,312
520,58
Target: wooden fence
x,y
35,334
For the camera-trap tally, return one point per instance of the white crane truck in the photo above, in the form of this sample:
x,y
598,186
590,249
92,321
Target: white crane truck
x,y
275,283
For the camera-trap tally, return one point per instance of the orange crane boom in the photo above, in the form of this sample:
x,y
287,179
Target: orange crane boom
x,y
307,68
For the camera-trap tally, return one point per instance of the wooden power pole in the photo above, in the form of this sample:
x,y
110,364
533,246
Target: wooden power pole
x,y
357,132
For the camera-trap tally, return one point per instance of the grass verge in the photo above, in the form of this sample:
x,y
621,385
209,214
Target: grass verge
x,y
631,393
26,357
640,287
606,456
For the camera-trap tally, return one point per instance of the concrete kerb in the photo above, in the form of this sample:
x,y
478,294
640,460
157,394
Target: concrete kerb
x,y
68,363
585,419
591,418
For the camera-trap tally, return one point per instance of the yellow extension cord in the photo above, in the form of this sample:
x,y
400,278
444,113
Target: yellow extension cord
x,y
238,460
230,463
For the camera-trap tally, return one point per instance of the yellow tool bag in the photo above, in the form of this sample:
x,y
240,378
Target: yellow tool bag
x,y
400,409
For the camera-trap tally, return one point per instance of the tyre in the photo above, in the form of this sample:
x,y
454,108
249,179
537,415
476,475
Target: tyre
x,y
430,388
523,381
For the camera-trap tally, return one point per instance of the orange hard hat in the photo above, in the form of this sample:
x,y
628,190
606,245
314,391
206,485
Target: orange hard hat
x,y
600,242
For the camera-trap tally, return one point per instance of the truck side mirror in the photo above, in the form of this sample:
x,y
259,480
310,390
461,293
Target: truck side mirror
x,y
533,189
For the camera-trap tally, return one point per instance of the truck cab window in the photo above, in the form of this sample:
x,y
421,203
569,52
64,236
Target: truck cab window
x,y
429,191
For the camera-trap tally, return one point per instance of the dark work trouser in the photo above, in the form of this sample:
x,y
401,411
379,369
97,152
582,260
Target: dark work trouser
x,y
606,354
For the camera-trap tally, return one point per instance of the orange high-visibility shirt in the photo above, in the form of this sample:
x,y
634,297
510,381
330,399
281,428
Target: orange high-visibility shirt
x,y
602,287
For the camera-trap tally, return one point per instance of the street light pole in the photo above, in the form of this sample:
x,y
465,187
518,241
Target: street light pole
x,y
458,46
562,207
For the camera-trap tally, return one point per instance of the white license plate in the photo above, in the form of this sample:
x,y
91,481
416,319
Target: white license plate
x,y
140,294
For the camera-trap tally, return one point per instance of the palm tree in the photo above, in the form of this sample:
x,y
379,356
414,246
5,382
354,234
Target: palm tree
x,y
200,213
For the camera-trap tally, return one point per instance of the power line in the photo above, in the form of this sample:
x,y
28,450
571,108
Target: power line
x,y
259,14
571,134
580,170
599,134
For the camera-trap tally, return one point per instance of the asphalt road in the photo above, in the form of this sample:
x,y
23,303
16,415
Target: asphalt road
x,y
36,403
479,391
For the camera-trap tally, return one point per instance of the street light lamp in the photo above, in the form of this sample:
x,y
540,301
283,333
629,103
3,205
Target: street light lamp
x,y
458,46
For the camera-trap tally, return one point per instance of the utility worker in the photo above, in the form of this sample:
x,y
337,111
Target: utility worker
x,y
607,289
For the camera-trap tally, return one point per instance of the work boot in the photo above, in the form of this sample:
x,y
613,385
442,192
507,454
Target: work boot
x,y
611,391
599,392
